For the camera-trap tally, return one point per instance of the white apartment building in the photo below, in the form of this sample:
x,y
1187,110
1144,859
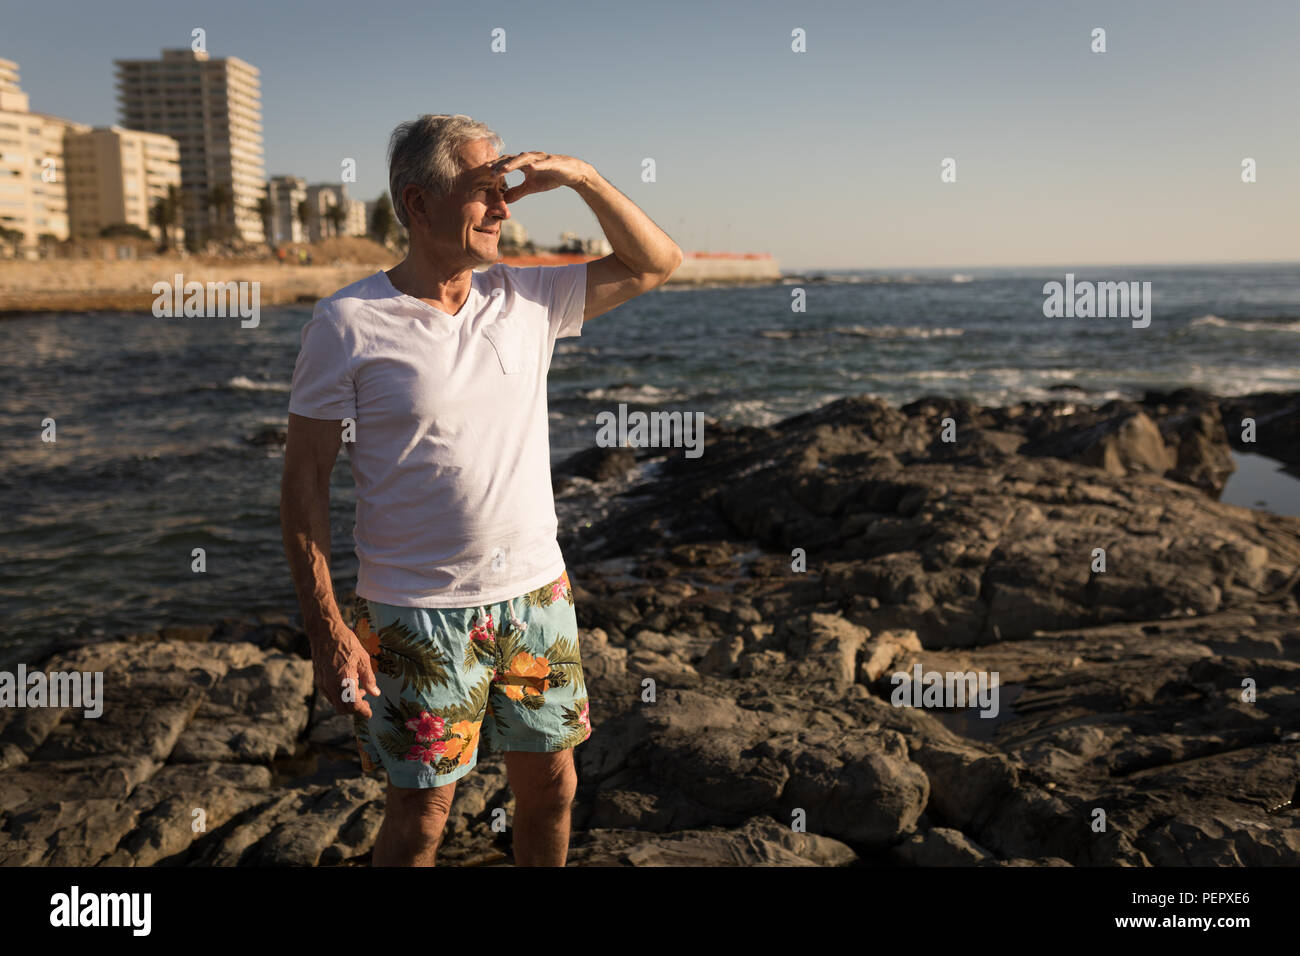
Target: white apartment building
x,y
355,222
33,198
213,109
321,197
286,193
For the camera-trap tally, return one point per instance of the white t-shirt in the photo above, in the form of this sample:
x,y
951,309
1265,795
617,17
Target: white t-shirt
x,y
452,456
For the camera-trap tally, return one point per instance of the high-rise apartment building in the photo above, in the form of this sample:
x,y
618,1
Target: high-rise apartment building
x,y
33,197
213,109
115,176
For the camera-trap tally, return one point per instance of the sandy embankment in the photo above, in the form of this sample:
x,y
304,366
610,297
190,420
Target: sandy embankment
x,y
83,285
96,285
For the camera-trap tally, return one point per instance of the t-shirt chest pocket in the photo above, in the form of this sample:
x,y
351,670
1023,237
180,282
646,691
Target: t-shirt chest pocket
x,y
507,337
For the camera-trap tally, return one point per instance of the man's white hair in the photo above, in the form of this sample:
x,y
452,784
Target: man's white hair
x,y
426,152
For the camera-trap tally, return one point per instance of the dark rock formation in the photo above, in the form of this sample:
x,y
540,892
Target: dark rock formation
x,y
745,618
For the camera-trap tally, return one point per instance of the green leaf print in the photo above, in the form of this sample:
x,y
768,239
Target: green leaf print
x,y
578,731
563,654
479,652
411,658
545,595
359,608
508,644
502,725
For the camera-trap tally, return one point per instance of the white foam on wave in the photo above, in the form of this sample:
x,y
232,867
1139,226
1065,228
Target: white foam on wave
x,y
1215,322
755,411
1013,378
635,393
1244,381
868,332
244,384
897,332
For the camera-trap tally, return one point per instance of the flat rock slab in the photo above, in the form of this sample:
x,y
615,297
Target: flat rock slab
x,y
759,841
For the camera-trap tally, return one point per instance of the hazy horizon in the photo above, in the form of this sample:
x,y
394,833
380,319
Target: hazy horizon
x,y
1050,266
1063,155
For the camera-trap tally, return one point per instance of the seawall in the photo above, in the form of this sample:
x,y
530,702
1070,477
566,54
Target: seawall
x,y
80,285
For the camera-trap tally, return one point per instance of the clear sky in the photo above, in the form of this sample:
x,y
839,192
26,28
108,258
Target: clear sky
x,y
827,159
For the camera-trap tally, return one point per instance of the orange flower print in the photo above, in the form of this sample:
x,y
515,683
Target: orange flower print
x,y
530,673
467,735
559,587
459,745
369,639
452,746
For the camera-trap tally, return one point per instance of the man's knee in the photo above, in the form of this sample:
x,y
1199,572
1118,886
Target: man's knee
x,y
548,785
419,813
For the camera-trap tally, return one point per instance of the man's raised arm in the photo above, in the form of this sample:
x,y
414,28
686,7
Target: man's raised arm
x,y
644,256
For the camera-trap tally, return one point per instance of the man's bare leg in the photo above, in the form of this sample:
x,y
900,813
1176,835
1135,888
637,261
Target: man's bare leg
x,y
412,827
544,785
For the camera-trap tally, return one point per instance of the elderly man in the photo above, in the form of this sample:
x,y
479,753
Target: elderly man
x,y
436,376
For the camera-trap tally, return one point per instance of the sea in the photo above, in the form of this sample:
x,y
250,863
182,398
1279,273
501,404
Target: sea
x,y
161,423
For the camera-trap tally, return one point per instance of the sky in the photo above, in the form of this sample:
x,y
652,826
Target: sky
x,y
827,159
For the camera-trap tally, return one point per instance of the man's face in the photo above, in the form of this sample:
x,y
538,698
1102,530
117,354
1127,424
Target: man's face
x,y
468,222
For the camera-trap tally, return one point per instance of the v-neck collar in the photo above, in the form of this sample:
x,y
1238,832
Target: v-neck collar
x,y
473,287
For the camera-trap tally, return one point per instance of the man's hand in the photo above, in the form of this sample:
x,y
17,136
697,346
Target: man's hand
x,y
543,171
341,656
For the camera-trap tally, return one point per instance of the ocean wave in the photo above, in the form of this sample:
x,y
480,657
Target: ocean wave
x,y
1280,324
649,394
897,332
242,383
756,411
994,386
866,332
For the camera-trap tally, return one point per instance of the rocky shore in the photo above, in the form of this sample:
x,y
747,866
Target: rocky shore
x,y
741,616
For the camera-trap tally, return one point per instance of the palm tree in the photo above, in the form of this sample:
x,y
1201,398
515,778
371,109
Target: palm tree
x,y
266,210
166,215
13,238
301,212
382,220
336,215
175,208
158,216
218,199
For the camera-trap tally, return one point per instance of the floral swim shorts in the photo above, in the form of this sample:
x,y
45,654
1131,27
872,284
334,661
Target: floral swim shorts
x,y
510,671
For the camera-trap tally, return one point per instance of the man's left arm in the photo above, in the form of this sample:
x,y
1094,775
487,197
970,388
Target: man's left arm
x,y
643,258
